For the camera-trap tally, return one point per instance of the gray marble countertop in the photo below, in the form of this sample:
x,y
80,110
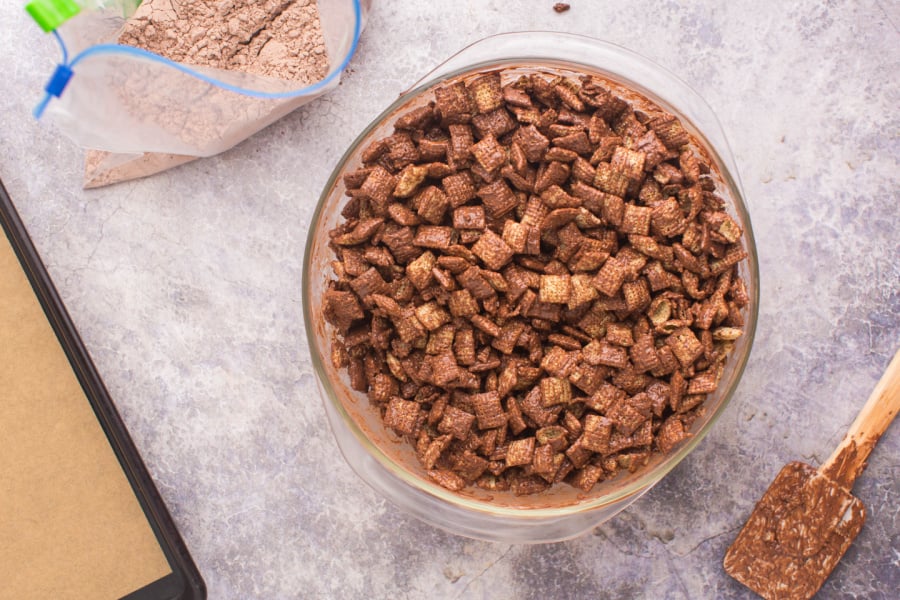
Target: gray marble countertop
x,y
186,289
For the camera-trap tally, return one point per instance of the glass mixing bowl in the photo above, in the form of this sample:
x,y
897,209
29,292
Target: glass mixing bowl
x,y
386,462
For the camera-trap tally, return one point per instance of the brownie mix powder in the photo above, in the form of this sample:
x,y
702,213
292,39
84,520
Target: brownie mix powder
x,y
278,39
275,38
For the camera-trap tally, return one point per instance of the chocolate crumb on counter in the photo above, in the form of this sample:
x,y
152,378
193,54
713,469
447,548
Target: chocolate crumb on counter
x,y
535,282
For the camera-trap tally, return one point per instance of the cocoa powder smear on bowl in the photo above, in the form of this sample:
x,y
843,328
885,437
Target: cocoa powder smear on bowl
x,y
535,282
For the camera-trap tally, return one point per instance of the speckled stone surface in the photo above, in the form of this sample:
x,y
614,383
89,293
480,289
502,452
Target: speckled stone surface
x,y
185,287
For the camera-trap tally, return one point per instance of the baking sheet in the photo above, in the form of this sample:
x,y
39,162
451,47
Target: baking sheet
x,y
71,525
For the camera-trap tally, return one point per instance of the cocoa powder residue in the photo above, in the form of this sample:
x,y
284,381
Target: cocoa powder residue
x,y
275,38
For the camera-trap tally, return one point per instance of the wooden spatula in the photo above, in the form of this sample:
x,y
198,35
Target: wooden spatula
x,y
808,518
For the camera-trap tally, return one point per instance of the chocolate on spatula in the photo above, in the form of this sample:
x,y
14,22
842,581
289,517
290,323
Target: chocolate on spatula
x,y
807,519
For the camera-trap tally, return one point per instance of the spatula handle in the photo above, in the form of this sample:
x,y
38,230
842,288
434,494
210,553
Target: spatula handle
x,y
849,459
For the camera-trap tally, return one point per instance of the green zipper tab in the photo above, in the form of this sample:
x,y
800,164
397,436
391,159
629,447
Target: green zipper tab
x,y
50,14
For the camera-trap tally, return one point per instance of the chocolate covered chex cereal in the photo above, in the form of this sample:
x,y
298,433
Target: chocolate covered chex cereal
x,y
488,410
458,423
555,197
516,96
606,396
523,183
583,171
535,281
463,304
620,334
733,256
570,421
576,142
562,155
532,142
378,187
431,316
508,337
553,436
669,130
605,148
473,280
401,150
492,250
546,462
643,354
437,170
417,119
409,328
468,465
596,433
565,342
523,485
555,289
461,140
382,388
432,150
532,405
515,235
567,92
453,264
608,105
578,454
608,179
555,390
419,270
611,356
685,345
670,433
498,198
636,220
582,293
706,382
486,325
341,309
440,341
402,215
628,162
589,256
558,362
370,282
486,92
489,153
637,295
551,174
402,415
560,128
436,237
586,477
628,414
520,452
433,204
447,478
611,276
495,123
454,103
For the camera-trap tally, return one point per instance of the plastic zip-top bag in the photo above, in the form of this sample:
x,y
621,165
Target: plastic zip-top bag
x,y
148,86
